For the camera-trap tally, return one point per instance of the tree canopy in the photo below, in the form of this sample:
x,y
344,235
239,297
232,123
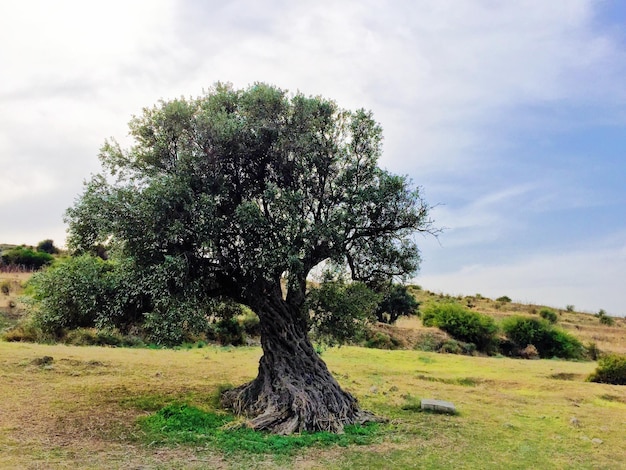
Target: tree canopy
x,y
226,194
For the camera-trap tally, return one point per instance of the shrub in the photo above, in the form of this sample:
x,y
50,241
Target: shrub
x,y
462,324
381,340
71,294
26,257
504,298
549,341
47,246
228,331
605,319
250,322
548,315
430,341
611,370
569,308
340,311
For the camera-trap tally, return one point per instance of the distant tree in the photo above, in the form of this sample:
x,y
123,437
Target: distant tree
x,y
396,302
226,194
47,246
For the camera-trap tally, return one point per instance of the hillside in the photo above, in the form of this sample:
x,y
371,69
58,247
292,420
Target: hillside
x,y
585,326
409,331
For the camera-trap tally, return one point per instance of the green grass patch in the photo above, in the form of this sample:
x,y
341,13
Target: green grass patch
x,y
185,424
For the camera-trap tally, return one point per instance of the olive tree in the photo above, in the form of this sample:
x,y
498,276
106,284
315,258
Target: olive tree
x,y
240,189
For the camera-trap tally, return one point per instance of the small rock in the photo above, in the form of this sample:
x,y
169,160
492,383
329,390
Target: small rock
x,y
373,389
439,406
595,440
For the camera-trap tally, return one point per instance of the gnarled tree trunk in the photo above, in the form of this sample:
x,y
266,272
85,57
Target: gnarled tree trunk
x,y
294,390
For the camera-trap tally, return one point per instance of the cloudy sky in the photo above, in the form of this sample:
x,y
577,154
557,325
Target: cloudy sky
x,y
510,115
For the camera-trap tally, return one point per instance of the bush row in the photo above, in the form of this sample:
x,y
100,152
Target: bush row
x,y
521,332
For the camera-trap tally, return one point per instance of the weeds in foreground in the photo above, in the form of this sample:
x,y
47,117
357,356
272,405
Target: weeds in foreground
x,y
184,424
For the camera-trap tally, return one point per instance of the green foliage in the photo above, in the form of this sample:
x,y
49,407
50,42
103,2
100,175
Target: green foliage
x,y
569,308
605,319
184,424
228,331
549,315
549,340
611,370
504,298
250,322
222,194
462,324
47,246
87,292
72,293
340,310
26,258
397,301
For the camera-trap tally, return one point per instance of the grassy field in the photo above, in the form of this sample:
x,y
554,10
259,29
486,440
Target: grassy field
x,y
80,410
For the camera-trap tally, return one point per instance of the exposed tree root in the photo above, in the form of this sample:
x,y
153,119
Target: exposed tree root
x,y
294,390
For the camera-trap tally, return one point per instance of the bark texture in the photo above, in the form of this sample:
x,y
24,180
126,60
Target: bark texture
x,y
294,390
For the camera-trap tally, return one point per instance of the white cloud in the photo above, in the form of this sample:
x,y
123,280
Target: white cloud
x,y
450,81
591,279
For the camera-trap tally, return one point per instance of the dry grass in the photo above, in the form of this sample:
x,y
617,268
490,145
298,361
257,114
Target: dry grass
x,y
14,281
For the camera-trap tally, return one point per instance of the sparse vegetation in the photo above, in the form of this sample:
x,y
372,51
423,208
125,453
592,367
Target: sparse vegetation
x,y
605,319
504,299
